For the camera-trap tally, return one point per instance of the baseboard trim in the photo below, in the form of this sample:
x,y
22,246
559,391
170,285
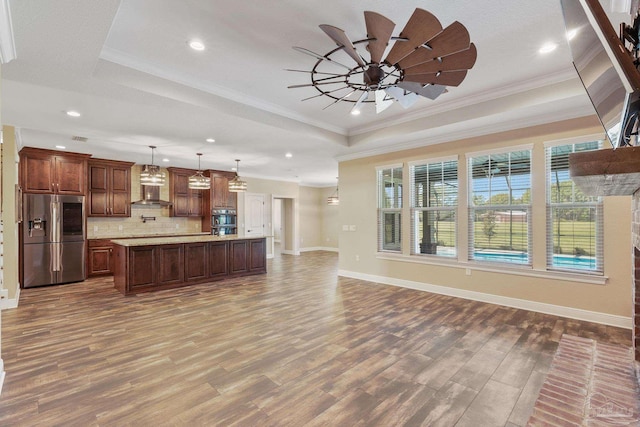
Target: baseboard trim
x,y
318,248
290,252
6,303
540,307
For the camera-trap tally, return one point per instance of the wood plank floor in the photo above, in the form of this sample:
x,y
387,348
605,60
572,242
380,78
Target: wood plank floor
x,y
298,346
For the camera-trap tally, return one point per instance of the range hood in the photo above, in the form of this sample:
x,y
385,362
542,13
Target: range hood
x,y
151,198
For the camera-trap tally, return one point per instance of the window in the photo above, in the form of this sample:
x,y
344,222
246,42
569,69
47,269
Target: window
x,y
500,207
574,220
390,208
434,200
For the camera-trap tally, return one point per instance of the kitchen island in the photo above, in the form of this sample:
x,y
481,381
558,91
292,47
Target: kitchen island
x,y
154,263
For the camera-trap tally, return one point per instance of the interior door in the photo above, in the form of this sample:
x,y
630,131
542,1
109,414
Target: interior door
x,y
254,214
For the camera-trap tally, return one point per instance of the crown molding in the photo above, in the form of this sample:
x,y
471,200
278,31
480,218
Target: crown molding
x,y
466,101
471,132
7,42
126,60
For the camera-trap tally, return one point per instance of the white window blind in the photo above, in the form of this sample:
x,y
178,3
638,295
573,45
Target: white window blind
x,y
390,208
574,220
434,200
500,207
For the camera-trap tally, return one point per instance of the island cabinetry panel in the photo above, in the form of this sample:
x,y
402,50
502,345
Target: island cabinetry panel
x,y
186,202
218,259
109,188
257,256
142,266
53,172
100,260
239,256
170,264
195,261
149,267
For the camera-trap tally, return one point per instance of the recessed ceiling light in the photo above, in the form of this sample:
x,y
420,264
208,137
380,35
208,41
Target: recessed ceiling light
x,y
355,112
549,47
196,45
288,155
234,168
572,33
210,140
60,147
165,160
73,113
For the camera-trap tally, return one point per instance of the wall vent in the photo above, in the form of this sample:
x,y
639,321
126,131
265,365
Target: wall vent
x,y
79,138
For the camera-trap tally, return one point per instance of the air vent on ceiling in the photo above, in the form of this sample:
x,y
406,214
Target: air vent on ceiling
x,y
79,138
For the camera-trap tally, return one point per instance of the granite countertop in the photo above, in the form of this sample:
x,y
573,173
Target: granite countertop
x,y
168,240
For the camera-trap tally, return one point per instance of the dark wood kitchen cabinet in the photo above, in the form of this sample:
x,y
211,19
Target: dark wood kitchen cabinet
x,y
109,188
186,202
100,257
53,172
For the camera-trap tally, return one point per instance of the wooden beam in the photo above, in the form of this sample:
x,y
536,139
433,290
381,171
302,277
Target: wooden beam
x,y
606,172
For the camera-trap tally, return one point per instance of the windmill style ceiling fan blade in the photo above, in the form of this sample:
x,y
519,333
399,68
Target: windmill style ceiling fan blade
x,y
463,60
421,27
452,39
318,56
428,91
380,28
381,102
446,78
363,97
406,100
341,39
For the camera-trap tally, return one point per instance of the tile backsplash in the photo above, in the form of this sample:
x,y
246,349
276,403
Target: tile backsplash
x,y
134,226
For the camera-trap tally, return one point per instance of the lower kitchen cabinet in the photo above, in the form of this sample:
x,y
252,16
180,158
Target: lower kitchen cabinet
x,y
144,267
100,257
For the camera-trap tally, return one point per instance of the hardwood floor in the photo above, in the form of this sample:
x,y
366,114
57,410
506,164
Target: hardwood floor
x,y
298,346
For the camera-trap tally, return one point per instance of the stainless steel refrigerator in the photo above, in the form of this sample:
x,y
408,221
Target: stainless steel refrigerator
x,y
53,239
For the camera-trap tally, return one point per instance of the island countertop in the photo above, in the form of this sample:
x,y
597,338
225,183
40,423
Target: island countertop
x,y
168,240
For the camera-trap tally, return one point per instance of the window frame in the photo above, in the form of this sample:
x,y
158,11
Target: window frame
x,y
512,258
383,211
596,204
416,210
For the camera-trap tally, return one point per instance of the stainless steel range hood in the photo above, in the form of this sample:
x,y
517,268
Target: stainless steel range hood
x,y
151,198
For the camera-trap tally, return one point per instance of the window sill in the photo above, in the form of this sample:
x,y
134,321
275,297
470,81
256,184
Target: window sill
x,y
498,268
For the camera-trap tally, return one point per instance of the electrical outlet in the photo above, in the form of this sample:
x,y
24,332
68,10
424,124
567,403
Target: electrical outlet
x,y
357,257
352,228
120,228
177,226
345,228
467,271
95,228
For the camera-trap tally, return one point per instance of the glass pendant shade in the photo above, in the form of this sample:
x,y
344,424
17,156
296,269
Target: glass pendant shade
x,y
237,185
151,175
199,181
334,199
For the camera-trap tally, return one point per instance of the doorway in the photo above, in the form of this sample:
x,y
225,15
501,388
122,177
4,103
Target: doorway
x,y
283,226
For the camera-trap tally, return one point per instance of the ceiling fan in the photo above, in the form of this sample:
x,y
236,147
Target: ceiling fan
x,y
423,61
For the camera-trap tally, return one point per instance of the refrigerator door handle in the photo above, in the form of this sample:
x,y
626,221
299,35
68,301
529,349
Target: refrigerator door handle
x,y
55,221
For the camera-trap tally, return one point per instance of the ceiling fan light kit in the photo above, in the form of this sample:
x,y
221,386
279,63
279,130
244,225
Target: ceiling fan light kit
x,y
424,59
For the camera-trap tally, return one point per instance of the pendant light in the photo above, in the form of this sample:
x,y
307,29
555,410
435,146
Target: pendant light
x,y
199,181
334,199
151,175
236,185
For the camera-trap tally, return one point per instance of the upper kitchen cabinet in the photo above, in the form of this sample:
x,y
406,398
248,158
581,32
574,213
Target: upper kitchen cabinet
x,y
53,172
109,188
186,202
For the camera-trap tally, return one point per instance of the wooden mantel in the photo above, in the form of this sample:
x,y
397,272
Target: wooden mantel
x,y
606,172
